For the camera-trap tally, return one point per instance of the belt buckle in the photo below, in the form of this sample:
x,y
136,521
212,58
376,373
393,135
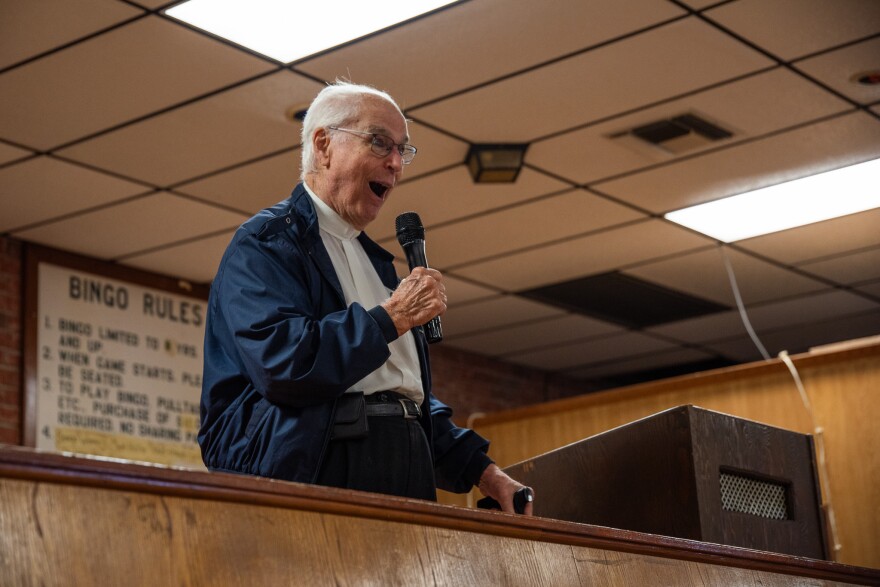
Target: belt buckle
x,y
406,413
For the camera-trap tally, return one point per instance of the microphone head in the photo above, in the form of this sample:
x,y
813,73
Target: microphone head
x,y
409,228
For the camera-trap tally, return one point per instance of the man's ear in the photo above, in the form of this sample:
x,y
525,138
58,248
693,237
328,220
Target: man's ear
x,y
321,147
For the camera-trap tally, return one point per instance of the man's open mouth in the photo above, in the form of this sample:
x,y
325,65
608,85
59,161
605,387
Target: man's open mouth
x,y
380,189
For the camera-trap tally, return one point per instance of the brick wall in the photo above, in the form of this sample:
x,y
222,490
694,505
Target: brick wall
x,y
472,383
10,340
467,382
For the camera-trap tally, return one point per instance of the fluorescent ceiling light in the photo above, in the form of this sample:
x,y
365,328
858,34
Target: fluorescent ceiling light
x,y
795,203
286,30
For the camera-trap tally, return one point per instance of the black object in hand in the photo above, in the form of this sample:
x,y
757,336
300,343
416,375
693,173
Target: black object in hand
x,y
520,498
411,236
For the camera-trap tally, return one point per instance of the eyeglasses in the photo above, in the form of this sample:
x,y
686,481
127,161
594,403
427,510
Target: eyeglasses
x,y
382,145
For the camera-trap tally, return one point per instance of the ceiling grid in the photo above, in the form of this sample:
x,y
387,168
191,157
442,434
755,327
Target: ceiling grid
x,y
158,139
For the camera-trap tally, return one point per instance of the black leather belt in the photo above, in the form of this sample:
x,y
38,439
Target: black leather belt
x,y
386,403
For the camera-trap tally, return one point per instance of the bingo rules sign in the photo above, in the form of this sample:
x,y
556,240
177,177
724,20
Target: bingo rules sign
x,y
118,368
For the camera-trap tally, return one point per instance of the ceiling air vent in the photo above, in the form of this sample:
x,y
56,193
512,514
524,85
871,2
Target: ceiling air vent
x,y
672,136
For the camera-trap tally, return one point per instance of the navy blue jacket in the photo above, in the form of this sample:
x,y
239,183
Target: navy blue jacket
x,y
281,346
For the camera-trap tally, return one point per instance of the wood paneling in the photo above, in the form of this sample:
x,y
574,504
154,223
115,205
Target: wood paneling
x,y
68,521
842,387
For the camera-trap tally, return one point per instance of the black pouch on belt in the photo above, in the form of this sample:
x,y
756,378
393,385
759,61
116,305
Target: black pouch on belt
x,y
350,421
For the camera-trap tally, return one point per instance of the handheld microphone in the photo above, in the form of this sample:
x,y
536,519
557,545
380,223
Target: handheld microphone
x,y
411,236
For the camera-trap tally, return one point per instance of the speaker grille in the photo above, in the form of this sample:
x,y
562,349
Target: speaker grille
x,y
750,496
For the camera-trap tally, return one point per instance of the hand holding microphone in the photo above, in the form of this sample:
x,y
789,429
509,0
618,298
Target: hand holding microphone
x,y
421,297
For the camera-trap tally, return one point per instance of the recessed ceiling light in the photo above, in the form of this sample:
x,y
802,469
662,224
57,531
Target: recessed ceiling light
x,y
285,30
867,78
495,163
795,203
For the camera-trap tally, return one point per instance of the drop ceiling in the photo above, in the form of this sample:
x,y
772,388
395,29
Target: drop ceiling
x,y
131,138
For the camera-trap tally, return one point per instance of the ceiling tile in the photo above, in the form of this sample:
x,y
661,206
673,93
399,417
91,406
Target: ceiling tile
x,y
853,327
800,338
584,256
748,108
702,4
9,153
220,131
588,352
740,349
826,305
793,28
533,335
520,227
31,28
704,328
854,268
703,274
449,195
195,261
154,3
436,150
819,240
494,70
837,69
251,187
118,76
42,188
871,289
837,142
132,226
643,363
476,41
768,317
492,313
664,62
460,291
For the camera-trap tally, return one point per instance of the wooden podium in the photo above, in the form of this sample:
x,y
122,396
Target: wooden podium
x,y
689,473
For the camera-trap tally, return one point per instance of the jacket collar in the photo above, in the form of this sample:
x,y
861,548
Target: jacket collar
x,y
307,223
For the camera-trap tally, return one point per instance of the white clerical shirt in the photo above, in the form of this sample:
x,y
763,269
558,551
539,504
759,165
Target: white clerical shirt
x,y
360,283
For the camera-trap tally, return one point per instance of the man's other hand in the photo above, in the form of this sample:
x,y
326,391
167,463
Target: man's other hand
x,y
496,484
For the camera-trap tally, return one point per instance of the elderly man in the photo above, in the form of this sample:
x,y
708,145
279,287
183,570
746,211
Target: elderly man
x,y
316,365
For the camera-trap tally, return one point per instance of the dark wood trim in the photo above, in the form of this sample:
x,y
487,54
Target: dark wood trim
x,y
27,464
36,254
39,254
29,349
711,377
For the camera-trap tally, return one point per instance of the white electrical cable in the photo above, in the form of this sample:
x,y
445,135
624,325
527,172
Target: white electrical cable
x,y
819,435
742,308
818,432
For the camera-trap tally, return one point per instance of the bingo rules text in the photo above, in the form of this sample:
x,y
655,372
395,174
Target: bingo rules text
x,y
119,368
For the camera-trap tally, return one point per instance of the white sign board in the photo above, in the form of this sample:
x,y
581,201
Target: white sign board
x,y
119,368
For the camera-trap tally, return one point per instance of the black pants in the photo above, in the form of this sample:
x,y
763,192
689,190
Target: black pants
x,y
393,459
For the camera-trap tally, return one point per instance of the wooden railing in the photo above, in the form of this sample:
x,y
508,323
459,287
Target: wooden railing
x,y
84,521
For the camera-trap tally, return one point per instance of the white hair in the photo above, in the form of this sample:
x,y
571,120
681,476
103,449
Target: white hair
x,y
338,104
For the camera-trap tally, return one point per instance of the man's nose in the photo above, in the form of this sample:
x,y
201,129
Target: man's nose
x,y
394,161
